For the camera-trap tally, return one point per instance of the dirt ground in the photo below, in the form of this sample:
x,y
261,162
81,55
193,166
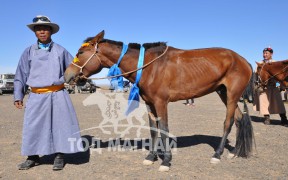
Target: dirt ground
x,y
197,129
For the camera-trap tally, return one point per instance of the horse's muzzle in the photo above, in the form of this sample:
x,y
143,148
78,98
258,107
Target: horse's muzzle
x,y
68,77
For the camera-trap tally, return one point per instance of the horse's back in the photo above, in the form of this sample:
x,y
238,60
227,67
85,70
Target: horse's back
x,y
217,62
182,74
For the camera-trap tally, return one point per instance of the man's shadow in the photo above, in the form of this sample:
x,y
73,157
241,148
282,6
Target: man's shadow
x,y
75,158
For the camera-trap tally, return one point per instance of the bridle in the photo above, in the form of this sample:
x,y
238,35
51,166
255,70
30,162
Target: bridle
x,y
94,54
81,67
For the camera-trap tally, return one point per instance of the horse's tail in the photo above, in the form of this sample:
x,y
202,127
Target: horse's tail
x,y
249,90
245,135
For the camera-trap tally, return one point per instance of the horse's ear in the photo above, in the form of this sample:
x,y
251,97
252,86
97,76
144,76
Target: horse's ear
x,y
258,64
98,37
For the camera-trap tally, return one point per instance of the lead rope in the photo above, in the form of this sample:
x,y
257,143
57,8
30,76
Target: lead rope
x,y
129,72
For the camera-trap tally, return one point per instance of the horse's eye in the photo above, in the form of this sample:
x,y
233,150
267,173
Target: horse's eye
x,y
80,52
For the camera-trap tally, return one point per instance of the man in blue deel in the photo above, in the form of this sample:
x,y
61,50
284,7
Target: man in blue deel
x,y
50,122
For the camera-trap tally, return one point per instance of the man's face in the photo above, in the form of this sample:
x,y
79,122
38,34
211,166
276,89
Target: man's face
x,y
43,33
267,55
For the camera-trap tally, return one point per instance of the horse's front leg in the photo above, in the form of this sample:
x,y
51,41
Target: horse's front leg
x,y
162,116
164,132
152,156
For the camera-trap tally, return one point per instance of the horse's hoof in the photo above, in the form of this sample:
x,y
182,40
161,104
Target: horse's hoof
x,y
147,162
163,168
231,155
214,160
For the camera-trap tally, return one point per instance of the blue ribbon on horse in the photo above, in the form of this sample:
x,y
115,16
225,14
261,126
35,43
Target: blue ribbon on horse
x,y
114,70
133,100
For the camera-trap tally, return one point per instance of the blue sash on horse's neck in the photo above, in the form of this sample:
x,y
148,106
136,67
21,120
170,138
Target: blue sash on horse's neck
x,y
133,100
114,70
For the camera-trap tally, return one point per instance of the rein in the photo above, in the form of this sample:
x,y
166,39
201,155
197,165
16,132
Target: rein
x,y
129,72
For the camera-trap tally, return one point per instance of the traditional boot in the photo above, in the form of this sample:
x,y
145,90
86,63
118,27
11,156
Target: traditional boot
x,y
284,121
58,162
267,119
30,162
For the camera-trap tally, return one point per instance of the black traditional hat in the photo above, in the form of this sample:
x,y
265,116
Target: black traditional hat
x,y
269,49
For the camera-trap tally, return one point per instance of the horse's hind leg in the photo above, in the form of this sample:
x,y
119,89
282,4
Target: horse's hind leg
x,y
231,106
152,156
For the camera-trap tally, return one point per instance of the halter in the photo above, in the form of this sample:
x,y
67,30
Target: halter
x,y
94,54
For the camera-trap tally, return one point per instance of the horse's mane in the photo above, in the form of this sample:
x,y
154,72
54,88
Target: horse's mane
x,y
282,62
147,45
276,63
88,39
131,45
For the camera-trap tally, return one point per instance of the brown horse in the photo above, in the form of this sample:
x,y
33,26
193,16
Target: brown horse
x,y
277,70
173,75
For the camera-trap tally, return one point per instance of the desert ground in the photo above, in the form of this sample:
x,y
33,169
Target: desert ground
x,y
197,130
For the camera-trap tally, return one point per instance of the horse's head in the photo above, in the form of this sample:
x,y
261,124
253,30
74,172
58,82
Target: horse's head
x,y
86,61
277,70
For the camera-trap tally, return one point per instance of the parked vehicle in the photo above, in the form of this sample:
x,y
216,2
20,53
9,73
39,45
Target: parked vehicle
x,y
88,87
6,83
126,86
70,88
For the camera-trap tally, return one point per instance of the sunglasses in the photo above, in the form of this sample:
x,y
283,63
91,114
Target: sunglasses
x,y
45,19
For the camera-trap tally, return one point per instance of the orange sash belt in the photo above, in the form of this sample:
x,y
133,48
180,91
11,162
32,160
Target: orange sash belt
x,y
47,89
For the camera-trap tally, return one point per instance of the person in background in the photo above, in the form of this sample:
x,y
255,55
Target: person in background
x,y
190,103
50,121
270,101
285,94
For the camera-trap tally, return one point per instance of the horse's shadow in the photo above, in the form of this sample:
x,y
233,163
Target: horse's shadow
x,y
273,122
213,141
181,142
75,158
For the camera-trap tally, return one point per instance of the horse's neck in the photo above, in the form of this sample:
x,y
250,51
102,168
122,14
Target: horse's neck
x,y
277,69
128,63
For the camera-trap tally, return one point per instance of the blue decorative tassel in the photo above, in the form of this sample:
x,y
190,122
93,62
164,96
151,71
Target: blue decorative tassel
x,y
133,100
115,70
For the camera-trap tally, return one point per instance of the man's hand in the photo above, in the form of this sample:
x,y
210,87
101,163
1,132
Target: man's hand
x,y
18,104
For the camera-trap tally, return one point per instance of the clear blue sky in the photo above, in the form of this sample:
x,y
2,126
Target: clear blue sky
x,y
245,26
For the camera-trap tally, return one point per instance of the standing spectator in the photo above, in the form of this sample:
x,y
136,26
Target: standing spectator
x,y
285,94
270,101
50,122
191,103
